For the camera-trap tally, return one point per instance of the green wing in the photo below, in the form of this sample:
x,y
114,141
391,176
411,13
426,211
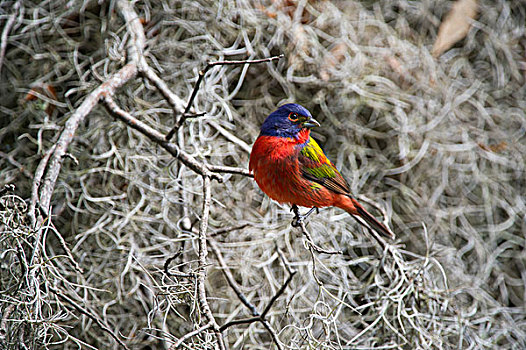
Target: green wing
x,y
316,167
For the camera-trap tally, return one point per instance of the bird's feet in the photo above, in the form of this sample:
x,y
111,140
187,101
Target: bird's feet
x,y
298,218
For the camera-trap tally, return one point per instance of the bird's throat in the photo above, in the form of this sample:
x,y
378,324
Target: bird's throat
x,y
303,136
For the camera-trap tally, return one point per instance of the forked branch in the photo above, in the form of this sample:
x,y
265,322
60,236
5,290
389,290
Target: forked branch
x,y
186,114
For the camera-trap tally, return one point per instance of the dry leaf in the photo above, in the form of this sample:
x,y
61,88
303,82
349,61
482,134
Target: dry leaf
x,y
455,26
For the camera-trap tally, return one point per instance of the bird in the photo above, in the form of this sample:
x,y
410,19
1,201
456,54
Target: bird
x,y
291,168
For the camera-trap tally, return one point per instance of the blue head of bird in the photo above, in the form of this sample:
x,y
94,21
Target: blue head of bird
x,y
287,121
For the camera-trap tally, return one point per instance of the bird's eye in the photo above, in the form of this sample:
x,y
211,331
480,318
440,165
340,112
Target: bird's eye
x,y
293,117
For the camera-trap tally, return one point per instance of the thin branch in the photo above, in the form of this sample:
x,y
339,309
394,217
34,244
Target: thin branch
x,y
108,88
233,284
230,279
228,229
312,244
169,261
203,226
35,186
181,119
277,295
136,31
187,336
284,260
57,157
158,138
260,318
238,322
229,170
201,277
13,162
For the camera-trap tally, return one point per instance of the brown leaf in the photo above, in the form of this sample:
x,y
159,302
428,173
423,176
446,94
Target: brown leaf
x,y
455,26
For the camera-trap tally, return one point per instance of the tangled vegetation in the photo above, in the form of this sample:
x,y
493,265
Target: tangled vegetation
x,y
113,236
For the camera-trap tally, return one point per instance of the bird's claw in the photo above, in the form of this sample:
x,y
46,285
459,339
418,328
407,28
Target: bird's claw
x,y
298,218
296,222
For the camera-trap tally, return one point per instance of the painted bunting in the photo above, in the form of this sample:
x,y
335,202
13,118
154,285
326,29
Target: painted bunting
x,y
290,167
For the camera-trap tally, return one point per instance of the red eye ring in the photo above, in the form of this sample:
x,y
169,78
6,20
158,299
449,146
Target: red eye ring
x,y
293,117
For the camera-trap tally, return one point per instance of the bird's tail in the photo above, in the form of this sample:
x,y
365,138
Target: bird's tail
x,y
354,208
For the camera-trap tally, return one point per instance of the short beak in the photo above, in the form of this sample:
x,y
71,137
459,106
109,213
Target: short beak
x,y
311,123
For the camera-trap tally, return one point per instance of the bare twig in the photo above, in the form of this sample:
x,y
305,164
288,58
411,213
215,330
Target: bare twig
x,y
230,279
13,161
261,317
169,261
228,229
158,138
57,157
312,244
187,336
108,88
180,120
35,186
229,170
201,278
